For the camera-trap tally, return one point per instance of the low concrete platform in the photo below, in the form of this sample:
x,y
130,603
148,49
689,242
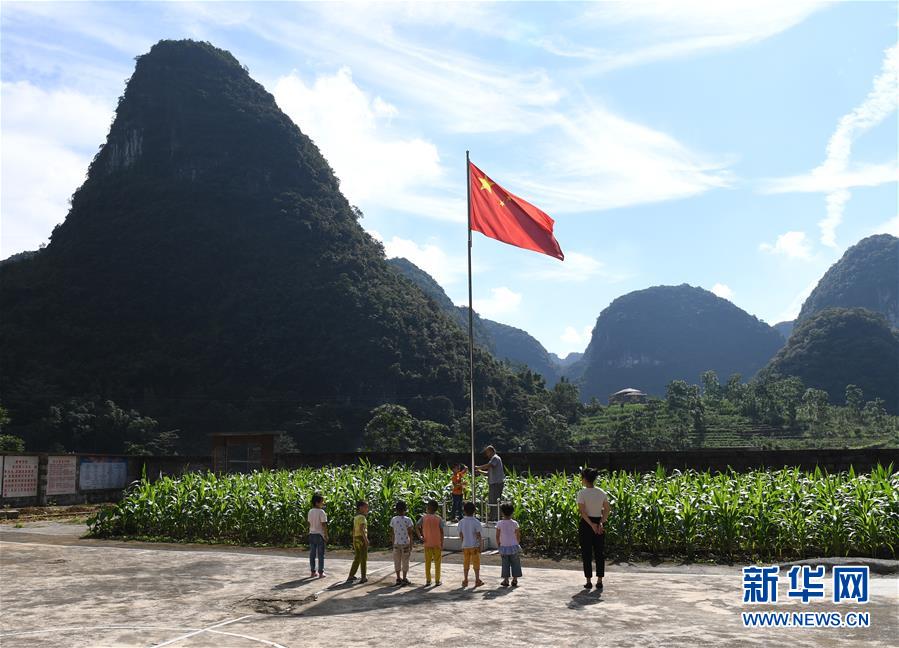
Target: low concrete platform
x,y
452,541
58,590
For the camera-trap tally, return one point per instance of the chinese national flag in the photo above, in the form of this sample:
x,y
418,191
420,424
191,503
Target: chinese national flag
x,y
505,217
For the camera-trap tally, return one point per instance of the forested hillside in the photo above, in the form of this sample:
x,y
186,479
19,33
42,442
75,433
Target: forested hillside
x,y
506,343
648,338
211,275
839,346
866,276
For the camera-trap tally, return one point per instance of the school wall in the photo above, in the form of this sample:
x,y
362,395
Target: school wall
x,y
40,479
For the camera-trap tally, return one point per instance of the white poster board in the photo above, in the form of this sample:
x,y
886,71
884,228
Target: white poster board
x,y
61,475
101,473
19,476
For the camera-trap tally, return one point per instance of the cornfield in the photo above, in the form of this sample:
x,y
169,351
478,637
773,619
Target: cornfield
x,y
755,515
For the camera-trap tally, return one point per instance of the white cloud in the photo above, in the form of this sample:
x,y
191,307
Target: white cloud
x,y
793,245
39,177
723,290
463,92
660,30
49,138
97,22
430,257
888,227
834,177
62,115
577,339
376,166
502,301
791,312
599,160
822,181
575,267
592,159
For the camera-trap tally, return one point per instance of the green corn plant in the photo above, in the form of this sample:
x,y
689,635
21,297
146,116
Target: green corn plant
x,y
755,515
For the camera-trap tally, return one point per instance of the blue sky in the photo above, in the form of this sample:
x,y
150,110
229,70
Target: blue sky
x,y
741,147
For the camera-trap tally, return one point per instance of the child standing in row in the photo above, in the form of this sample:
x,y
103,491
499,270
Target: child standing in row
x,y
508,537
430,528
458,480
401,528
318,534
471,532
360,542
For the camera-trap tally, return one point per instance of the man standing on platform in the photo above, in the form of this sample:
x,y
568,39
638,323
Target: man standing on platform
x,y
495,478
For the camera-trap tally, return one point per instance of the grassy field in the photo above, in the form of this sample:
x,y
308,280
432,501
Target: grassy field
x,y
696,515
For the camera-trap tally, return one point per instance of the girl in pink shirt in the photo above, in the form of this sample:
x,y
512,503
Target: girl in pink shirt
x,y
508,537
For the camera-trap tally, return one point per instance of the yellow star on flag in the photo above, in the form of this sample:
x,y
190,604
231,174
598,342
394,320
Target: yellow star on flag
x,y
485,184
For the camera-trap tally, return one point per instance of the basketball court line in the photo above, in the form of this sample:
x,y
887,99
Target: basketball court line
x,y
334,588
138,627
202,630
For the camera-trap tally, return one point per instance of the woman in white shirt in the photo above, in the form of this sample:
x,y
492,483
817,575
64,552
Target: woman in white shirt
x,y
593,505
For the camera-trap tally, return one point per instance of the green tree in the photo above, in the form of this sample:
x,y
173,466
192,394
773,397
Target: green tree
x,y
389,430
874,414
593,407
99,425
150,442
711,388
677,395
735,389
854,398
697,415
11,443
430,436
815,406
787,395
548,432
565,401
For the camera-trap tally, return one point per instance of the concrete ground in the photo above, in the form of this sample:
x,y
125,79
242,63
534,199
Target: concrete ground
x,y
58,590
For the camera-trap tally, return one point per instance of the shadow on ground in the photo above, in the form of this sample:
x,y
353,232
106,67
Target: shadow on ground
x,y
584,599
365,599
295,583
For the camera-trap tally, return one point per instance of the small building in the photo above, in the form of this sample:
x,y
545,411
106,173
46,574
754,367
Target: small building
x,y
243,452
629,395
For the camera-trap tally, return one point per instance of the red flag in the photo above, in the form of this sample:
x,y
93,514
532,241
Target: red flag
x,y
505,217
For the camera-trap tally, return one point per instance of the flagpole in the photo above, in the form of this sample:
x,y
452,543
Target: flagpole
x,y
470,328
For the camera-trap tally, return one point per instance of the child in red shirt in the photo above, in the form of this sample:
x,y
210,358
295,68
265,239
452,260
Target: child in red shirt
x,y
459,472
